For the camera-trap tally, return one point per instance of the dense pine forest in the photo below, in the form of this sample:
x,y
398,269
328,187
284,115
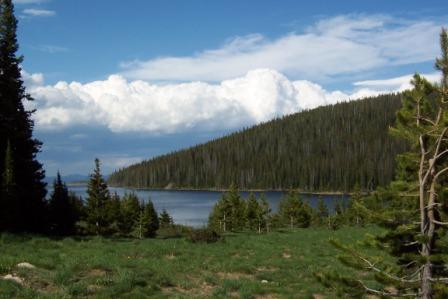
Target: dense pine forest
x,y
331,148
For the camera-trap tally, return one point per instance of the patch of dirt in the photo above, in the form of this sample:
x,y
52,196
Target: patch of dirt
x,y
38,280
318,296
286,255
97,272
93,288
234,275
266,269
170,256
203,289
266,296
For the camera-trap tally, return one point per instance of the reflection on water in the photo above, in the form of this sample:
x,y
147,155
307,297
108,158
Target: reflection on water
x,y
193,207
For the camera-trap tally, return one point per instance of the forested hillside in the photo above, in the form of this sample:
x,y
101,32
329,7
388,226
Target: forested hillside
x,y
329,148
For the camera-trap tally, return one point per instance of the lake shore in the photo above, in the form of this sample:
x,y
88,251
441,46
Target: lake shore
x,y
225,190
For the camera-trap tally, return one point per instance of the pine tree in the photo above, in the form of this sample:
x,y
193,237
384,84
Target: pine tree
x,y
165,219
130,211
263,216
321,212
97,202
229,213
416,204
357,213
151,219
114,215
293,211
252,212
237,217
62,212
16,127
148,222
219,217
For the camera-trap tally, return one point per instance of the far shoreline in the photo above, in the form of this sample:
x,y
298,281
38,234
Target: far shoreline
x,y
78,184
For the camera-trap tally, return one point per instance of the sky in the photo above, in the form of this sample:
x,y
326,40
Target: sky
x,y
129,80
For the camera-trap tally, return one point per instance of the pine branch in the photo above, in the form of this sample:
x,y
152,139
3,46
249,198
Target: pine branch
x,y
382,293
439,222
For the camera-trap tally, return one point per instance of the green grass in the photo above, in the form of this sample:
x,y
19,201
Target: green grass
x,y
174,268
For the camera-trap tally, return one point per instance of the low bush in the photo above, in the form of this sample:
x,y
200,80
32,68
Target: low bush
x,y
173,231
203,235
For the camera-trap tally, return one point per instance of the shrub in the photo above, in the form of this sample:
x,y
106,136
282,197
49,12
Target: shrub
x,y
173,231
203,235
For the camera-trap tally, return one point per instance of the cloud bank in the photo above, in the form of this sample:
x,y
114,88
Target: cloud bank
x,y
139,106
343,45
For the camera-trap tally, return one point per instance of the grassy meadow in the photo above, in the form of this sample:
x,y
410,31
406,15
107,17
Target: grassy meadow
x,y
243,265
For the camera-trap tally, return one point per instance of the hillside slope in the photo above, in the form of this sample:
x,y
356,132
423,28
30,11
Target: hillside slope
x,y
329,148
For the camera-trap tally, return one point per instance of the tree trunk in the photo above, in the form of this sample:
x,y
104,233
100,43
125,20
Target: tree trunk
x,y
224,224
292,222
426,286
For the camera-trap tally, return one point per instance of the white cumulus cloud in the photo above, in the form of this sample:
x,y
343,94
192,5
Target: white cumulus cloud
x,y
342,45
139,106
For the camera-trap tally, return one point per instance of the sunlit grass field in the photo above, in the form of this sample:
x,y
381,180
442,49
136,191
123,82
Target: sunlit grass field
x,y
243,265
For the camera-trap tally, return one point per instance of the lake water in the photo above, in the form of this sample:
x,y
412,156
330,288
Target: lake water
x,y
193,207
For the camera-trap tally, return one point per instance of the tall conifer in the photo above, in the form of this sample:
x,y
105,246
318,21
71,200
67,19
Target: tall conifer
x,y
16,126
62,210
97,202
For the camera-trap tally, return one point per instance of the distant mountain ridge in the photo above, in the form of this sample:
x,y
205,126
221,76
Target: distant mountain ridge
x,y
330,148
71,178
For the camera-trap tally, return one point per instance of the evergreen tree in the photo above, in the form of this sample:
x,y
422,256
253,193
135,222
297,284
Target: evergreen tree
x,y
97,202
294,211
151,219
220,215
16,127
263,216
357,213
114,215
63,213
237,215
165,219
416,203
321,212
253,212
130,211
148,222
8,195
229,213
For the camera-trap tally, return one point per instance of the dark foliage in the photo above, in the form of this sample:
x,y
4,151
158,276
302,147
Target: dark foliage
x,y
165,219
26,205
63,209
320,149
203,235
98,200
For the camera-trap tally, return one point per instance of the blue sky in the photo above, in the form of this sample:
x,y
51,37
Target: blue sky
x,y
128,80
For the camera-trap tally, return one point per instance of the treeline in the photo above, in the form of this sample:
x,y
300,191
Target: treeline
x,y
102,213
330,148
234,213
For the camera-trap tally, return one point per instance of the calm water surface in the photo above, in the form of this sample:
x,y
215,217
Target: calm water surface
x,y
193,207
